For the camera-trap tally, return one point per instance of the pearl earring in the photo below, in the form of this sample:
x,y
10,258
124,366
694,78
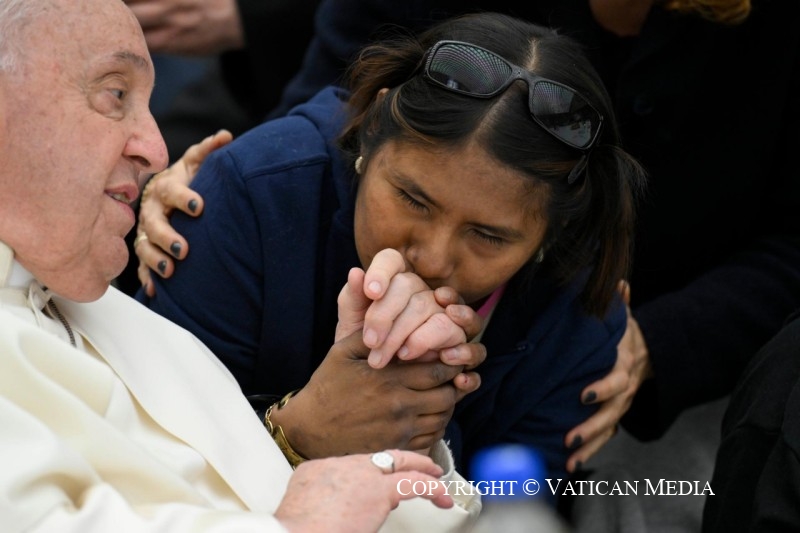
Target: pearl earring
x,y
359,161
539,256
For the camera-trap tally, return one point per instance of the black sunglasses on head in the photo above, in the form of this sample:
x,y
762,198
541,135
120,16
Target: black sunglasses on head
x,y
470,70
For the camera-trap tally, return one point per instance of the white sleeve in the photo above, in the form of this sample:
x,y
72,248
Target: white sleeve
x,y
46,486
419,514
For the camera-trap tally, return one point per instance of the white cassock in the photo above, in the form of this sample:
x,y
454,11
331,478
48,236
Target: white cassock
x,y
139,429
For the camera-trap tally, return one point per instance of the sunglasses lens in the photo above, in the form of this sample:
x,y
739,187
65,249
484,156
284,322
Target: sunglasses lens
x,y
566,114
468,69
473,71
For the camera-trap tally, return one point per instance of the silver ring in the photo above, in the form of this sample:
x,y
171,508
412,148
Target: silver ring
x,y
384,461
139,238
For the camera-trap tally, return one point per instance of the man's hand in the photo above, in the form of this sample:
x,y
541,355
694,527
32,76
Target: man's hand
x,y
352,494
410,320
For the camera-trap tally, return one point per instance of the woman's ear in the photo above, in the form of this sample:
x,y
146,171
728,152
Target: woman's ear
x,y
381,95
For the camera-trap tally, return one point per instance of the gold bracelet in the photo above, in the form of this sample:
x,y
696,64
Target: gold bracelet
x,y
279,436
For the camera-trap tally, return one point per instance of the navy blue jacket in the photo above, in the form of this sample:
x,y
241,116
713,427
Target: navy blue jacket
x,y
272,249
711,111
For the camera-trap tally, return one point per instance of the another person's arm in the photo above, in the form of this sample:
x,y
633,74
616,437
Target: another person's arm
x,y
194,27
614,392
165,192
225,307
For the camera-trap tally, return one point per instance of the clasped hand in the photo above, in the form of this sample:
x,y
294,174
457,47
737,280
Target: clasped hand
x,y
374,399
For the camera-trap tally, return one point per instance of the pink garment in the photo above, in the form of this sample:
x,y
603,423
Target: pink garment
x,y
487,307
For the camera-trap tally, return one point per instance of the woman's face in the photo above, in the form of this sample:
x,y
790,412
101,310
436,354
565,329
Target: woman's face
x,y
459,217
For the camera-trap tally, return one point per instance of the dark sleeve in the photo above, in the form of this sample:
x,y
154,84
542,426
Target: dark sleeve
x,y
546,425
581,356
276,34
702,335
700,338
757,470
530,393
342,27
215,292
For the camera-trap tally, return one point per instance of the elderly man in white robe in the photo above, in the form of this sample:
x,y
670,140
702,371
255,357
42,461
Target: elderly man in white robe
x,y
112,418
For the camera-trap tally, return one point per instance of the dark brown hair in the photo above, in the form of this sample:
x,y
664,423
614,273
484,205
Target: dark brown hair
x,y
590,222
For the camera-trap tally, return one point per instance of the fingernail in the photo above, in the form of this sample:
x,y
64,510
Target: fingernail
x,y
175,248
578,466
370,338
576,442
589,397
375,287
162,266
192,205
457,311
374,359
402,353
450,354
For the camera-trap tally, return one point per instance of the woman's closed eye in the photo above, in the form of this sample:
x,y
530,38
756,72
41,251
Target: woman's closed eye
x,y
489,239
411,201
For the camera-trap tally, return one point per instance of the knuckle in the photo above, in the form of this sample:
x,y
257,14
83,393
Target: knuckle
x,y
407,281
441,373
441,322
419,302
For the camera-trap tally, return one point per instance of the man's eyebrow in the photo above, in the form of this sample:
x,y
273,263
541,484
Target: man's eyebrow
x,y
134,59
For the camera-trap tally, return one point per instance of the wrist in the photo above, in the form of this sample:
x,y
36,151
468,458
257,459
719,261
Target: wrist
x,y
273,421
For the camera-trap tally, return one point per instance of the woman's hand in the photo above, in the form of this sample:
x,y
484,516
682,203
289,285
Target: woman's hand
x,y
352,494
349,407
165,192
615,392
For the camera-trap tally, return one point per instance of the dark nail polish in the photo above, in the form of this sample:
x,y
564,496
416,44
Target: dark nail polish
x,y
175,248
576,442
192,205
589,397
578,466
162,266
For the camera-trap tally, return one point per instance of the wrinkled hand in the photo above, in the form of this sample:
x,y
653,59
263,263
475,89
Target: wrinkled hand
x,y
349,407
167,191
407,318
615,391
189,27
346,494
401,314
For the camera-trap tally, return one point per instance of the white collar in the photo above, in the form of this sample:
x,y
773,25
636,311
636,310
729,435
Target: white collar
x,y
12,273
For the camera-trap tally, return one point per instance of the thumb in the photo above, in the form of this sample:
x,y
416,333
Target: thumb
x,y
353,305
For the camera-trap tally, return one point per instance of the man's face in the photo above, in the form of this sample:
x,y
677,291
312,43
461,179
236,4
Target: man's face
x,y
76,136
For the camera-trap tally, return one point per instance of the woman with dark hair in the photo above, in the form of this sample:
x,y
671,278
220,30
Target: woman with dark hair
x,y
481,157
